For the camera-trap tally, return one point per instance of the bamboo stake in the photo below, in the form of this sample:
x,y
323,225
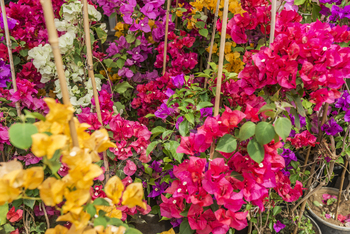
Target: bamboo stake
x,y
341,187
221,64
53,39
92,75
166,35
212,39
273,21
9,45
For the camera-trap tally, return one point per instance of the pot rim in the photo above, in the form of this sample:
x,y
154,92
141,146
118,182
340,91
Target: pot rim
x,y
315,216
314,223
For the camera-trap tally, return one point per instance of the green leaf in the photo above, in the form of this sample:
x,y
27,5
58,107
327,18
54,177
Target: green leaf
x,y
158,130
166,133
200,24
247,131
183,128
256,150
173,147
21,135
91,210
16,60
3,212
203,32
267,107
151,147
264,132
29,203
34,115
283,126
227,144
276,210
102,35
132,231
185,227
299,2
120,63
8,228
130,38
300,107
108,62
148,170
190,118
203,105
296,117
315,12
100,221
122,87
100,202
150,115
316,203
115,222
110,154
24,52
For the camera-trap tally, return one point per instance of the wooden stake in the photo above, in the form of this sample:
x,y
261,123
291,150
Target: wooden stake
x,y
53,39
273,21
9,46
92,75
341,187
166,35
221,64
212,39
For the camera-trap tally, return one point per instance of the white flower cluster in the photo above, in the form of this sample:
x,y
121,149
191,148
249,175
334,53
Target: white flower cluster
x,y
43,57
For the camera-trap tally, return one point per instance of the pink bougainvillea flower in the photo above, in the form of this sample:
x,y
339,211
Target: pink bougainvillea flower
x,y
171,207
341,218
231,118
130,168
195,218
238,219
328,216
303,139
13,216
278,226
29,159
195,143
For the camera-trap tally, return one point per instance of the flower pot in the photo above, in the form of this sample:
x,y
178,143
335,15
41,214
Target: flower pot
x,y
315,225
325,226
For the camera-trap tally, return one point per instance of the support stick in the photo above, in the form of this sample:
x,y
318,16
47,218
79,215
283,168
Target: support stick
x,y
176,18
212,39
221,64
9,45
273,21
341,187
53,39
92,75
166,35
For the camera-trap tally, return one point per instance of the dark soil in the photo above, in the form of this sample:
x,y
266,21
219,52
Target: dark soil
x,y
344,207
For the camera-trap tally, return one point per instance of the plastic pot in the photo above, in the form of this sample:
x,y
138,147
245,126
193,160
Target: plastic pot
x,y
314,224
326,227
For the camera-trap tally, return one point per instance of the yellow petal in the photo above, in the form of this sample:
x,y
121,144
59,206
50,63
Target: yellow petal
x,y
75,200
171,231
7,192
79,221
51,191
133,196
57,230
58,112
33,177
114,189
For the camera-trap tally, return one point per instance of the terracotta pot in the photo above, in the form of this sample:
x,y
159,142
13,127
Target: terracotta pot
x,y
326,227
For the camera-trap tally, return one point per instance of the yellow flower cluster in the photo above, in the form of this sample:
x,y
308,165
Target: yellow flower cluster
x,y
234,6
120,28
54,134
235,63
14,179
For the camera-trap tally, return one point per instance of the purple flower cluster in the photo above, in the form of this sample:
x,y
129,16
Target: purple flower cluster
x,y
344,103
331,128
336,12
164,111
10,22
5,73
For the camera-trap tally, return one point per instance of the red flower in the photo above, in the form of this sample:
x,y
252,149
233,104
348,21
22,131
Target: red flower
x,y
13,216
